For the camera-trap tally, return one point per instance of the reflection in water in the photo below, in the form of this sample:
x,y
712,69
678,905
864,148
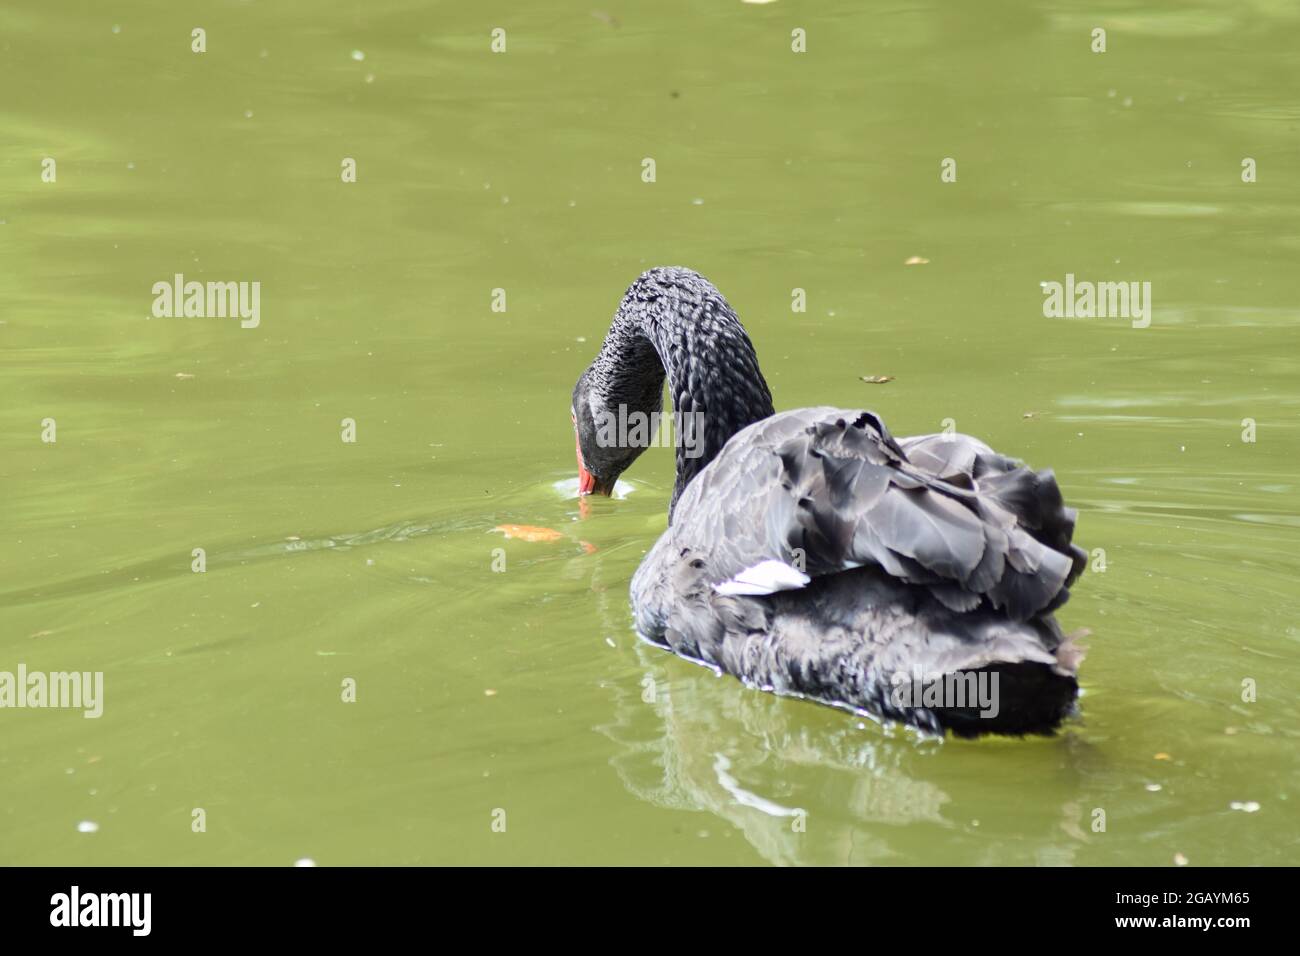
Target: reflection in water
x,y
722,766
691,740
685,746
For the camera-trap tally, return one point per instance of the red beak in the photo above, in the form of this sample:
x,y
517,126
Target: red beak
x,y
587,483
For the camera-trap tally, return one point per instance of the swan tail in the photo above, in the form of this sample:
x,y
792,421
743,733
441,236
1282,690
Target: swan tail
x,y
866,642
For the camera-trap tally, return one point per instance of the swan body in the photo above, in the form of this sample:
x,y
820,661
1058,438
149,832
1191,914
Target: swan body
x,y
811,554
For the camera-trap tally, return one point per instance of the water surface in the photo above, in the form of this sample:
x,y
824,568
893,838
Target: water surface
x,y
526,690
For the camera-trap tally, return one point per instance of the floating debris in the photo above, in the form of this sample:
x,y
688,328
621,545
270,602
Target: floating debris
x,y
1154,788
305,861
1163,756
1248,806
87,826
877,379
917,261
184,376
358,55
489,692
528,532
1180,860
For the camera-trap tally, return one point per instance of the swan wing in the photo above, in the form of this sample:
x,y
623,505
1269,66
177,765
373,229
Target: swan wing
x,y
824,490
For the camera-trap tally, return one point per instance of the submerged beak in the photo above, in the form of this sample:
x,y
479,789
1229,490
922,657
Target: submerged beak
x,y
587,482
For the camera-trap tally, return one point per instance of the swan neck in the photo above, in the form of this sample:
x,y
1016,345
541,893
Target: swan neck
x,y
685,331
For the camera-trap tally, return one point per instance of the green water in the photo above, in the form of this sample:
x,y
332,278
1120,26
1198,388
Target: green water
x,y
525,690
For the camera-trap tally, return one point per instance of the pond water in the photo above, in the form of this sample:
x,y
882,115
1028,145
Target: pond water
x,y
369,564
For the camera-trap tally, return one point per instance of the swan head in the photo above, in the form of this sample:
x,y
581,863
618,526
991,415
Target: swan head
x,y
603,449
671,324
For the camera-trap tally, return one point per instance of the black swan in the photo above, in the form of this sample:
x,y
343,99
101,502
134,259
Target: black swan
x,y
812,554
